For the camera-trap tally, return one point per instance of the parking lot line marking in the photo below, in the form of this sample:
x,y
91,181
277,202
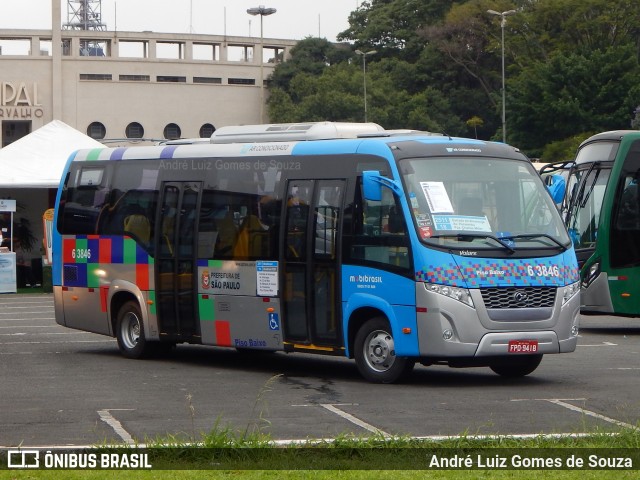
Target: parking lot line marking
x,y
563,403
592,414
24,319
603,344
30,326
21,307
16,334
106,417
350,418
58,342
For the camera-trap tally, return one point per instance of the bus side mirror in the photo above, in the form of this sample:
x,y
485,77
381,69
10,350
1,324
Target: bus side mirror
x,y
371,186
557,186
372,183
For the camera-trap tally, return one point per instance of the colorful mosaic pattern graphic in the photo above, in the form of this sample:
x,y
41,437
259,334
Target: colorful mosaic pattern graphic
x,y
214,331
490,273
84,258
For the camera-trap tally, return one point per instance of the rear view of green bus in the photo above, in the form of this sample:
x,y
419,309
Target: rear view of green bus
x,y
602,214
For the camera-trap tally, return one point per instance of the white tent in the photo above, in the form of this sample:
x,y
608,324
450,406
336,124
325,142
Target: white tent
x,y
38,159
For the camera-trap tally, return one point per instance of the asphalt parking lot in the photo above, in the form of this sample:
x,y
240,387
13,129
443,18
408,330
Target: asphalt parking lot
x,y
65,387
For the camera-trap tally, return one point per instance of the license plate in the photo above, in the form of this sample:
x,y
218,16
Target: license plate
x,y
523,346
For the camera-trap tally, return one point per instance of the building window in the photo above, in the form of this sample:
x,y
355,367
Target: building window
x,y
215,80
96,76
242,81
207,130
134,130
134,78
171,78
96,130
172,132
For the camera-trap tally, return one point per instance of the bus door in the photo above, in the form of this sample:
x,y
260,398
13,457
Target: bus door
x,y
176,269
310,259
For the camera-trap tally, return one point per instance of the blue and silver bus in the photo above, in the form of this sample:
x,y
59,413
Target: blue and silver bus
x,y
388,247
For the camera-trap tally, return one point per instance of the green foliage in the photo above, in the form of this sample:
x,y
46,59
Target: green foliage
x,y
391,26
573,93
563,149
571,67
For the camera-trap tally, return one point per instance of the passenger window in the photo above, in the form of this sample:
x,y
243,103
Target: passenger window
x,y
238,226
380,234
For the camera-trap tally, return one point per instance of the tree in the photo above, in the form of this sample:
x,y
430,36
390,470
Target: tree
x,y
475,122
391,26
571,94
310,55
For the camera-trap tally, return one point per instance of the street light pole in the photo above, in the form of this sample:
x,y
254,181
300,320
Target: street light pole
x,y
364,75
503,22
262,11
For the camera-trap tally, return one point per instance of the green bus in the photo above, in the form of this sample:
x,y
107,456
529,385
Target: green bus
x,y
601,210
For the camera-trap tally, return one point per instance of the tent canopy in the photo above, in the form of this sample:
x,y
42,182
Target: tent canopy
x,y
38,159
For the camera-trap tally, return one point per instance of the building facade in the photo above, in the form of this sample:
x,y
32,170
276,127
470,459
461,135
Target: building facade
x,y
124,87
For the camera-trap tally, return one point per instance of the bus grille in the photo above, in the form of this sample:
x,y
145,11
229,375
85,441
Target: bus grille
x,y
519,297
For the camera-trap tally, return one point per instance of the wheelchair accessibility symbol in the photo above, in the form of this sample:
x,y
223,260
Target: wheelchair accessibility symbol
x,y
274,323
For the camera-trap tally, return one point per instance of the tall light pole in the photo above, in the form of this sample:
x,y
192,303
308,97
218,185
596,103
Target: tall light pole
x,y
364,75
263,12
503,22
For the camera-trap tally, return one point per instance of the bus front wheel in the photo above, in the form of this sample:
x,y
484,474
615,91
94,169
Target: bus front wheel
x,y
516,366
130,331
375,353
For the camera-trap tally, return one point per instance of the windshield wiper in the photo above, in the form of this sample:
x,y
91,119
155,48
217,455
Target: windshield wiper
x,y
536,235
462,236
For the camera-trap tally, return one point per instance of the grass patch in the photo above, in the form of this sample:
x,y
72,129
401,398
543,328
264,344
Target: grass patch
x,y
223,454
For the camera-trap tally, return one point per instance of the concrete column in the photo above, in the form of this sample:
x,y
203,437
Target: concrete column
x,y
56,54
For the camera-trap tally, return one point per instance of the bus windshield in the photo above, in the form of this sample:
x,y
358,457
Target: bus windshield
x,y
481,203
586,188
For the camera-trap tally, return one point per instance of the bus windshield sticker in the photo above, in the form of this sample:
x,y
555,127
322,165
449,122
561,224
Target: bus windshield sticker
x,y
414,201
437,197
461,223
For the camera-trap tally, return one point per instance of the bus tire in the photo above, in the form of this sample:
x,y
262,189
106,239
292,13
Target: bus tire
x,y
517,366
375,356
130,331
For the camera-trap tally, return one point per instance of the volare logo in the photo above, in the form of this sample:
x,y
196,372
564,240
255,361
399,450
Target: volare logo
x,y
468,253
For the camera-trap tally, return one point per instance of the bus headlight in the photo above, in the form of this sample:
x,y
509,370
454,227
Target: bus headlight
x,y
460,294
570,291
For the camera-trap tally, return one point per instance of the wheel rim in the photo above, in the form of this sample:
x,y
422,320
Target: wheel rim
x,y
130,330
379,350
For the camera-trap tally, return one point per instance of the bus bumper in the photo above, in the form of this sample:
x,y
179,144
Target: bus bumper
x,y
451,329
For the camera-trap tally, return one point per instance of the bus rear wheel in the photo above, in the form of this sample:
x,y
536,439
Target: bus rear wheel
x,y
130,331
514,367
375,354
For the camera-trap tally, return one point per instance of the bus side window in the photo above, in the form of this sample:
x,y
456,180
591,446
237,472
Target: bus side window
x,y
628,211
381,235
238,226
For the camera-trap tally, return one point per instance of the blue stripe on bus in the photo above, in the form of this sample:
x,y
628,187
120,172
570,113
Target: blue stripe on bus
x,y
118,153
167,152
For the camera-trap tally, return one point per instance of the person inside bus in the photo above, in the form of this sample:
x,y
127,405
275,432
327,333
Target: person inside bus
x,y
137,224
227,235
252,238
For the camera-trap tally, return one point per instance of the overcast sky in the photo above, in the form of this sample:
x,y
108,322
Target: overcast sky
x,y
294,19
